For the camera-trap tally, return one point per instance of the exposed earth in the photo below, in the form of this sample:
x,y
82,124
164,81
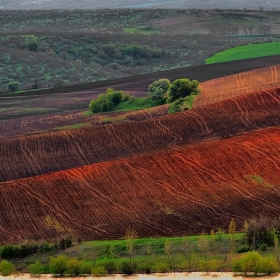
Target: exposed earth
x,y
160,174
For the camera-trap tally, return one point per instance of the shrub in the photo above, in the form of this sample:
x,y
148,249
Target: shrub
x,y
110,266
58,265
13,86
107,101
7,252
182,88
98,270
85,268
158,90
35,269
126,268
73,267
6,268
161,267
254,262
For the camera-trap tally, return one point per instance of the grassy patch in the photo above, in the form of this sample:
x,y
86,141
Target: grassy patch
x,y
135,104
113,119
72,126
257,179
246,51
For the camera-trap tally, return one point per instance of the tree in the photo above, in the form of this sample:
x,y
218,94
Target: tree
x,y
35,269
158,90
231,231
58,265
6,268
13,86
182,88
203,244
130,236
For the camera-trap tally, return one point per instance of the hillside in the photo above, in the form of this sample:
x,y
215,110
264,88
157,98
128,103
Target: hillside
x,y
53,48
234,85
177,174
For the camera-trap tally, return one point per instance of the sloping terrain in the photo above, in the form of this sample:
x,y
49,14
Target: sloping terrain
x,y
49,152
43,111
183,173
234,85
175,174
185,189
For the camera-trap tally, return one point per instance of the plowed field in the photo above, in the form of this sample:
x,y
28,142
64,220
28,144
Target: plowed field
x,y
182,190
49,152
234,85
159,174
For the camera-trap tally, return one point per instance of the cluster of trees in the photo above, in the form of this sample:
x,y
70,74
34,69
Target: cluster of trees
x,y
32,247
160,92
107,101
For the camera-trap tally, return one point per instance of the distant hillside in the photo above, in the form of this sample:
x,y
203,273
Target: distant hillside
x,y
124,4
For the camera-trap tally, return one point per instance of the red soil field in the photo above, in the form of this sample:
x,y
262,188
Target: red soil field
x,y
185,189
234,85
162,175
33,155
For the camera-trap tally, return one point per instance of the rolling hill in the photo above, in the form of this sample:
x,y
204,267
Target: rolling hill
x,y
162,175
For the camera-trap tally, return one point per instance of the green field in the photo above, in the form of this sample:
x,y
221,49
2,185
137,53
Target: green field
x,y
246,51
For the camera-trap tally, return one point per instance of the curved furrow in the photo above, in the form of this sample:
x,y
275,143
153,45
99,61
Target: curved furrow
x,y
238,84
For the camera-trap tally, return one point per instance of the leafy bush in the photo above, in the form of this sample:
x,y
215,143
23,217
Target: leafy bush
x,y
161,267
182,88
6,268
107,101
254,262
158,90
126,268
85,268
36,268
98,270
73,267
109,266
7,252
58,265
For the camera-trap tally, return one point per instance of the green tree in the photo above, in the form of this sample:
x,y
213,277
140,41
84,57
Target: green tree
x,y
73,267
182,88
6,268
58,265
35,269
231,231
158,90
203,244
13,86
255,263
130,237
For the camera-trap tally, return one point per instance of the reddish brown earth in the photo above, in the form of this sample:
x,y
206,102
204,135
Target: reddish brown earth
x,y
184,189
49,152
160,174
234,85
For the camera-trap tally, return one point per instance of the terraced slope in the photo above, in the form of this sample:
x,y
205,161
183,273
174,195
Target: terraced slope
x,y
33,155
237,84
185,189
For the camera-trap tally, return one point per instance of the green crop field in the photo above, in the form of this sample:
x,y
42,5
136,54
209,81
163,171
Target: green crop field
x,y
246,51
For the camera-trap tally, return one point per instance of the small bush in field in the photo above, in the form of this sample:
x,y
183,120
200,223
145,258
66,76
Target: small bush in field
x,y
98,270
36,268
58,265
6,268
85,268
73,267
161,267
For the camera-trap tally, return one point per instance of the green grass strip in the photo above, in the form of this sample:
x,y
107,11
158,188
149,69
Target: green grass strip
x,y
246,51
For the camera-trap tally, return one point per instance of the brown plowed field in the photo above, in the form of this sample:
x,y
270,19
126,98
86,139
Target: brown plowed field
x,y
49,152
234,85
176,174
186,189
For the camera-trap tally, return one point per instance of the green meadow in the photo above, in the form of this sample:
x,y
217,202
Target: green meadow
x,y
246,51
